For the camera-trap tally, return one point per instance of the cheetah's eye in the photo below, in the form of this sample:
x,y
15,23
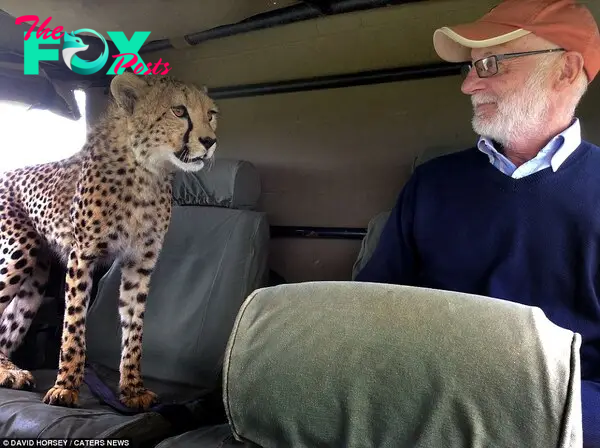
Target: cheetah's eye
x,y
212,114
179,111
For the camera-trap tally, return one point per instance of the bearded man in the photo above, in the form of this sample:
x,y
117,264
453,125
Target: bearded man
x,y
516,217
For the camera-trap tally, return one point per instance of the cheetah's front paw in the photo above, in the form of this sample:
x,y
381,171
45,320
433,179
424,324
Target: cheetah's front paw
x,y
138,398
16,379
59,396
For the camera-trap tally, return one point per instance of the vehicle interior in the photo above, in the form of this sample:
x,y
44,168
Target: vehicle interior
x,y
255,333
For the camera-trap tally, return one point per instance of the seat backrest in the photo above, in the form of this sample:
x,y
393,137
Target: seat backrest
x,y
375,226
369,242
366,364
214,255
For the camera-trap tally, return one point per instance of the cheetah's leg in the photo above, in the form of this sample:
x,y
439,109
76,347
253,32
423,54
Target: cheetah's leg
x,y
16,320
72,351
19,245
17,317
135,283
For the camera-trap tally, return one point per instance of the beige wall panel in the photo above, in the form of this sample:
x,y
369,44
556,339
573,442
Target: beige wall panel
x,y
313,260
336,157
392,36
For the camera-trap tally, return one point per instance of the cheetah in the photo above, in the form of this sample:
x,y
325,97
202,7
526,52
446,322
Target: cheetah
x,y
110,200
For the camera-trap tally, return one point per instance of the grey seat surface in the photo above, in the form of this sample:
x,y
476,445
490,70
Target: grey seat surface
x,y
22,414
214,255
218,436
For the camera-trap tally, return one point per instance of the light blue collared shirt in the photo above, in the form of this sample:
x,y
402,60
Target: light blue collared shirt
x,y
551,155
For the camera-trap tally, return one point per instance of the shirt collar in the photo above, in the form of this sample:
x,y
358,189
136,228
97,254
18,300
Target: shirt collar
x,y
569,139
558,149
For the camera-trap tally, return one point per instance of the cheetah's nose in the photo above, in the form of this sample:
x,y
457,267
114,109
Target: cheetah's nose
x,y
207,142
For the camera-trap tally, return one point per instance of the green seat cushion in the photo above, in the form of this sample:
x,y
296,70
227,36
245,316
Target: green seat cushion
x,y
364,365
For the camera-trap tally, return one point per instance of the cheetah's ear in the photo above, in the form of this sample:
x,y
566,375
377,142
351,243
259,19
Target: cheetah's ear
x,y
127,88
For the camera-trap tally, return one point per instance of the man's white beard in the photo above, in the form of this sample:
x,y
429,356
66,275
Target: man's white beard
x,y
519,113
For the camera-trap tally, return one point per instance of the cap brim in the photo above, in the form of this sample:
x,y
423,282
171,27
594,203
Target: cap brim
x,y
454,44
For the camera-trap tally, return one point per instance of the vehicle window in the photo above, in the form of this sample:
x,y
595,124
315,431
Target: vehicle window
x,y
32,136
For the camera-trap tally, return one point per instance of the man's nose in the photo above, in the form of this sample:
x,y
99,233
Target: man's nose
x,y
207,141
472,83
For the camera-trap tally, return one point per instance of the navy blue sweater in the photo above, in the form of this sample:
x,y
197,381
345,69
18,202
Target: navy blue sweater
x,y
462,225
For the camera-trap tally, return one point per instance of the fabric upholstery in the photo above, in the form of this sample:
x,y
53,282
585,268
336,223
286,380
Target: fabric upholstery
x,y
373,365
218,436
369,242
228,183
23,414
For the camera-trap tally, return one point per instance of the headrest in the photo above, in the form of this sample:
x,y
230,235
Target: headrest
x,y
228,183
361,365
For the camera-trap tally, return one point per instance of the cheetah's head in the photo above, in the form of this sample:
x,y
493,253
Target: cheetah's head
x,y
171,124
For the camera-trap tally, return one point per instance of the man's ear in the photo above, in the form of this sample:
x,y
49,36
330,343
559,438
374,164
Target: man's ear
x,y
571,68
127,88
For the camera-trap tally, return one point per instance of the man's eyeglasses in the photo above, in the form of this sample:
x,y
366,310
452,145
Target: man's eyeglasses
x,y
488,66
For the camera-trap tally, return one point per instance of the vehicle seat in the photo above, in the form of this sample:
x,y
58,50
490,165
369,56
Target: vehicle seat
x,y
214,255
373,365
216,436
369,242
376,224
360,364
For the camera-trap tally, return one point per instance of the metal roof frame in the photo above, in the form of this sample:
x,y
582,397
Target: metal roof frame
x,y
305,10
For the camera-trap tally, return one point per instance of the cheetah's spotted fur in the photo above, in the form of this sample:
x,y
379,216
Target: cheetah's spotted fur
x,y
112,199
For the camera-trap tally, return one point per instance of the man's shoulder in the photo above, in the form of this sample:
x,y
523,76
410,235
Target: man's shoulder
x,y
455,160
586,152
595,148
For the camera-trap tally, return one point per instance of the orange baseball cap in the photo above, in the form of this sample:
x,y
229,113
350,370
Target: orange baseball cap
x,y
562,22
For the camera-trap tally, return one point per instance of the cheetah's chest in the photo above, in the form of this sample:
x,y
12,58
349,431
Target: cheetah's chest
x,y
144,223
123,218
